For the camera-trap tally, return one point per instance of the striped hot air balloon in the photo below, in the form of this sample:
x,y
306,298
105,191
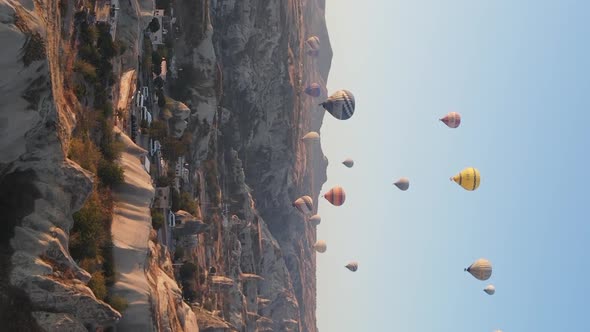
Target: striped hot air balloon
x,y
469,178
340,104
304,204
452,119
311,136
320,246
348,162
403,184
314,90
481,269
315,219
336,196
313,46
352,266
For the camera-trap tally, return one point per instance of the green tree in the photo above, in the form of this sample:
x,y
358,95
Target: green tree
x,y
157,219
158,130
110,174
188,271
154,25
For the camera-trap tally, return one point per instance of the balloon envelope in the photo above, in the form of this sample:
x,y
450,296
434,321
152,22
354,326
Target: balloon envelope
x,y
348,162
304,204
313,44
340,104
311,136
403,184
352,266
490,289
315,219
481,269
320,246
452,119
469,178
313,90
336,196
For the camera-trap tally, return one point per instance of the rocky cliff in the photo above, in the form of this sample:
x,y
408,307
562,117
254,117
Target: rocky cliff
x,y
246,69
40,285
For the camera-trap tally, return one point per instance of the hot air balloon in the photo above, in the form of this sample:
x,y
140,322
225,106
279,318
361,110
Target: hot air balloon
x,y
336,196
481,269
348,162
314,90
304,204
340,104
352,266
468,178
311,136
490,289
313,44
452,119
320,246
403,184
315,219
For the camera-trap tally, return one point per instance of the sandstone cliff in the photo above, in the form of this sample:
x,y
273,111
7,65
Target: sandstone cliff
x,y
246,66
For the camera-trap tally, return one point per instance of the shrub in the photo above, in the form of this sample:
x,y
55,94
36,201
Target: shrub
x,y
175,198
187,203
173,148
110,174
98,286
158,130
85,153
163,181
108,264
188,271
119,303
34,49
178,253
154,25
161,98
157,219
87,70
88,231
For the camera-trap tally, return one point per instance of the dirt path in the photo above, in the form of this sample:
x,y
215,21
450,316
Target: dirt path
x,y
131,228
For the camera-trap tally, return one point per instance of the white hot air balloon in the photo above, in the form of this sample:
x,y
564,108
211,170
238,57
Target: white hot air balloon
x,y
320,246
311,136
481,269
490,289
315,219
348,162
352,266
403,184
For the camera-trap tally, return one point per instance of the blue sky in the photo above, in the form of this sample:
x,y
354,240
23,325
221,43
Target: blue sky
x,y
519,73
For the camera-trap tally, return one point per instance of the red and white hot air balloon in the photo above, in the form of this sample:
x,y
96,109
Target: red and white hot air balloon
x,y
336,196
452,119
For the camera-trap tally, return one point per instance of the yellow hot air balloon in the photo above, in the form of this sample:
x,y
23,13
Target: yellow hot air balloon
x,y
311,136
481,269
468,178
320,246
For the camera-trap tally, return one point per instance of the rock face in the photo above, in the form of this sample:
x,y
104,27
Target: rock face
x,y
254,80
41,287
39,187
172,313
